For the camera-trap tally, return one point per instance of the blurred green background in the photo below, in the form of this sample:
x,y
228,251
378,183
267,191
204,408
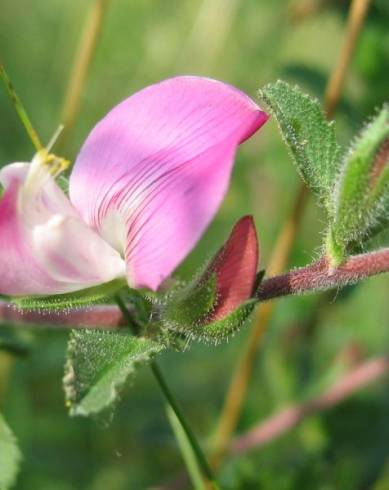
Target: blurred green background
x,y
247,43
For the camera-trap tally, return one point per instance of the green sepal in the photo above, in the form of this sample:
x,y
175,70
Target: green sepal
x,y
309,137
10,456
189,305
220,330
191,317
59,302
360,205
99,365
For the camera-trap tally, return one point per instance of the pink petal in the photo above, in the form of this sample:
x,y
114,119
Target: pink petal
x,y
235,267
152,174
44,246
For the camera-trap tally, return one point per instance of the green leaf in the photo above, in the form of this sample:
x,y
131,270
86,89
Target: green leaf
x,y
361,197
309,137
99,365
60,302
10,456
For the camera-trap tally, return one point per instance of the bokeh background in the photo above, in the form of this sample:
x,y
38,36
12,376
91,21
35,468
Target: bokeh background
x,y
308,344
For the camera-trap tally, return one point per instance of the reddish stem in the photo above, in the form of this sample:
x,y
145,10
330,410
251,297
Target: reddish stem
x,y
95,316
320,276
314,277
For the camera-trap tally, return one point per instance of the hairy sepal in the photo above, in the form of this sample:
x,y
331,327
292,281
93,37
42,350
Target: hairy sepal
x,y
221,330
188,312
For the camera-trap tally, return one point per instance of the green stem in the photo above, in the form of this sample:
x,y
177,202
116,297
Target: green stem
x,y
187,453
201,460
20,110
191,449
334,251
133,325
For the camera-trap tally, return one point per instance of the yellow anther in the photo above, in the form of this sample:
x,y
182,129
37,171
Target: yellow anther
x,y
53,163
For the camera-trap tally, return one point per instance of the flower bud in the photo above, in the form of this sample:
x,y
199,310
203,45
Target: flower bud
x,y
220,299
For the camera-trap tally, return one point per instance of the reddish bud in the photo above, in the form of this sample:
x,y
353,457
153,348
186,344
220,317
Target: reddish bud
x,y
235,268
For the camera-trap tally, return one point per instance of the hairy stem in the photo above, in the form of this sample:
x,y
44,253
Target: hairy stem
x,y
237,389
318,276
321,276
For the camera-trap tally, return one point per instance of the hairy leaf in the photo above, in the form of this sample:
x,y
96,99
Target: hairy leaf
x,y
99,365
309,137
10,456
361,198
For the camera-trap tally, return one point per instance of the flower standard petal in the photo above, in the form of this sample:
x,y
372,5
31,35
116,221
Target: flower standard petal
x,y
152,174
45,248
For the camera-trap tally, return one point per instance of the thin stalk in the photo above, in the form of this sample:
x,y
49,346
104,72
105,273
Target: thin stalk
x,y
81,64
132,324
236,392
186,450
190,437
190,444
20,110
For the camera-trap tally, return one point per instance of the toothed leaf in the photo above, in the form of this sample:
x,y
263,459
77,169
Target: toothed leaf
x,y
309,137
99,365
10,456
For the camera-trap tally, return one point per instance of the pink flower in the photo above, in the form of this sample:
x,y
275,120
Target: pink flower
x,y
146,183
